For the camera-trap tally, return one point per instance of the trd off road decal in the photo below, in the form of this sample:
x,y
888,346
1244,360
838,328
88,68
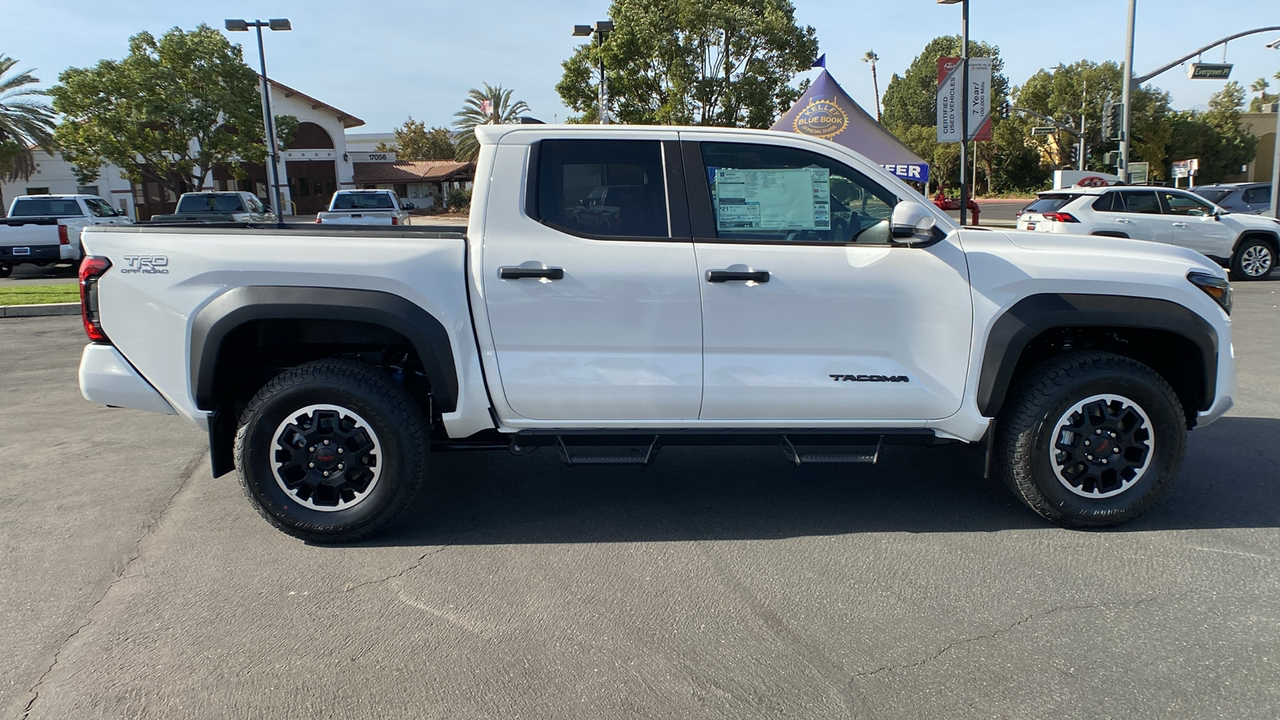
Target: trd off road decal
x,y
145,265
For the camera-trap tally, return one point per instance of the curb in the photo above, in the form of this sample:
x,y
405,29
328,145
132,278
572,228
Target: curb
x,y
45,310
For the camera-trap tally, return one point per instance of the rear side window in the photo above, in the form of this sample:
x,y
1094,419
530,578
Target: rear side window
x,y
1138,201
210,203
1257,195
40,207
1107,203
1049,203
602,187
1213,195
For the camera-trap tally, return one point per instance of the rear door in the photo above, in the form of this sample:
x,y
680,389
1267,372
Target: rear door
x,y
806,318
592,321
1137,214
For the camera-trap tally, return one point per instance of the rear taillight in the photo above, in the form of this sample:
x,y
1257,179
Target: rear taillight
x,y
1060,217
318,221
395,220
91,268
63,238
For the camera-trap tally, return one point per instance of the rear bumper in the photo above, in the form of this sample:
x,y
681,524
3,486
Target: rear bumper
x,y
24,254
108,379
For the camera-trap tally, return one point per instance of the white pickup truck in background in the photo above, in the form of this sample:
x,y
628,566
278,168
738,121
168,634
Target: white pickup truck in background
x,y
45,229
729,300
366,207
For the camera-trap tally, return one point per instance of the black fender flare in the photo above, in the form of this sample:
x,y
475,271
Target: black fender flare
x,y
1035,314
232,309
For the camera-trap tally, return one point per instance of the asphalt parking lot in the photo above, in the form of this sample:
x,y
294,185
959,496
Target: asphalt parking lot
x,y
715,584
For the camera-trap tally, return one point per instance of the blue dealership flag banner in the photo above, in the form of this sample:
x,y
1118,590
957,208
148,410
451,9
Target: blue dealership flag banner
x,y
820,62
826,111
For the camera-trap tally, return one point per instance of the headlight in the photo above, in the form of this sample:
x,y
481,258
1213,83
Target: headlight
x,y
1213,286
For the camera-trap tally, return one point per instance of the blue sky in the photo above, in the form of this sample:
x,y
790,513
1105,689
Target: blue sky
x,y
383,61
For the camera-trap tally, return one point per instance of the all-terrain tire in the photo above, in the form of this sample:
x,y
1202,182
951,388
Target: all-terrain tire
x,y
1090,439
332,451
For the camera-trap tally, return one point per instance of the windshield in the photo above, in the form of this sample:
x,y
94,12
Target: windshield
x,y
46,207
1048,203
210,203
1213,195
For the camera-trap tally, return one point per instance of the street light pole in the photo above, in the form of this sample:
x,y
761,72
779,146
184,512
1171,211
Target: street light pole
x,y
268,118
1275,157
1126,96
601,30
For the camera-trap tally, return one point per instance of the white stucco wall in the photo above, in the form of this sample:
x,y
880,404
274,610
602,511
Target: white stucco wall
x,y
54,173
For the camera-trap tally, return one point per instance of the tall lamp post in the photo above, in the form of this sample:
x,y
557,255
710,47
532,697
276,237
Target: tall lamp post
x,y
601,30
1275,157
268,118
964,93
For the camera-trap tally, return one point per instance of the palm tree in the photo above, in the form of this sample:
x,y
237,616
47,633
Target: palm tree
x,y
491,106
24,122
872,57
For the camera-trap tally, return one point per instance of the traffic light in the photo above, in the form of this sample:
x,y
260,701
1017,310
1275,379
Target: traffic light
x,y
1113,121
1074,153
1006,110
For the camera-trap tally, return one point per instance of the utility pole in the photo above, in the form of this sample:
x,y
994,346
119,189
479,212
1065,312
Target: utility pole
x,y
1127,96
1084,97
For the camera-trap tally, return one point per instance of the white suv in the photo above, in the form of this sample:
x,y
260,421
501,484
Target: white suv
x,y
1247,244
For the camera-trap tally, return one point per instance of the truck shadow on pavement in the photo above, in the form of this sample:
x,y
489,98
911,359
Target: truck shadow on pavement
x,y
1231,479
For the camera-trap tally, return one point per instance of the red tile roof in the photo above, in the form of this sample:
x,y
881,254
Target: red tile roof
x,y
411,171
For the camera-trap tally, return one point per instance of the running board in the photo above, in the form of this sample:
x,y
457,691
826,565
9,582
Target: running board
x,y
604,454
801,454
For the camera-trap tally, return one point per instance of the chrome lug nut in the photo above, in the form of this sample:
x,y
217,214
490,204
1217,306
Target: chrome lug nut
x,y
311,465
326,472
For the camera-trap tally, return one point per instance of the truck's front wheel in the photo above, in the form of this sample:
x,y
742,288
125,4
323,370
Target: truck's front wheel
x,y
331,451
1090,439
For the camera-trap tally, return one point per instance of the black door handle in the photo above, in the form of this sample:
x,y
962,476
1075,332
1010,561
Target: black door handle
x,y
719,276
516,273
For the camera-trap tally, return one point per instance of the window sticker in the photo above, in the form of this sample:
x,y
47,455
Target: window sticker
x,y
783,199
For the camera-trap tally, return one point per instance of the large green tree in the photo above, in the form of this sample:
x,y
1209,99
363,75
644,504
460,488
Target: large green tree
x,y
490,106
693,62
1215,137
1068,92
169,112
415,142
26,121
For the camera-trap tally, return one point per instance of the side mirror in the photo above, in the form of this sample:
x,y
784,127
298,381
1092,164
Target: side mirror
x,y
408,206
910,219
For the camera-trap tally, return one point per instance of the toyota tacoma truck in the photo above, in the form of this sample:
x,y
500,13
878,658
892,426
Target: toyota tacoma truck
x,y
218,206
365,207
45,229
725,306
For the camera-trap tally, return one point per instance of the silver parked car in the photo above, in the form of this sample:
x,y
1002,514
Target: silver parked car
x,y
1252,197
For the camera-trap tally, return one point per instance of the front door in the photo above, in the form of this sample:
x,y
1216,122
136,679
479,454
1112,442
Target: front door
x,y
311,184
1194,225
594,309
810,311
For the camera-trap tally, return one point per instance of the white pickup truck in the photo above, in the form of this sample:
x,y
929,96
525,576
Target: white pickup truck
x,y
723,304
45,229
365,207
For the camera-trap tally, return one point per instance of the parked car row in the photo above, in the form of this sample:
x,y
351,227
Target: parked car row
x,y
1247,244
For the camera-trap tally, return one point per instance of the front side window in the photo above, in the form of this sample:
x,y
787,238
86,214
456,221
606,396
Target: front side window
x,y
777,194
602,187
99,208
1180,204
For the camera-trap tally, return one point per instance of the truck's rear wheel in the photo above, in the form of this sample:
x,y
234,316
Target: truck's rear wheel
x,y
5,269
1091,439
331,451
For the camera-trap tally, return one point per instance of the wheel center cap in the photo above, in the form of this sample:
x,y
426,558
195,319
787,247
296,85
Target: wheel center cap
x,y
326,458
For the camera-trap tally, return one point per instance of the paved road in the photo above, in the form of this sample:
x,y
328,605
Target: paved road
x,y
716,584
